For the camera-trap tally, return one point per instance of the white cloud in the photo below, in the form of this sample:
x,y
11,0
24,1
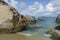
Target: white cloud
x,y
13,3
49,7
54,7
36,7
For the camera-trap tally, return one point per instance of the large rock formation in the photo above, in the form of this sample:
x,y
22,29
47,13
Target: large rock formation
x,y
58,19
10,20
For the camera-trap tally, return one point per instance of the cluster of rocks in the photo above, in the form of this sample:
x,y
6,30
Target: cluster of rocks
x,y
55,33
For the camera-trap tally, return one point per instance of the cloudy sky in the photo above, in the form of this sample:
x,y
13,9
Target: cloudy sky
x,y
48,8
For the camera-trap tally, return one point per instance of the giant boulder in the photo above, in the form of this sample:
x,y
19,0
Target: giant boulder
x,y
10,20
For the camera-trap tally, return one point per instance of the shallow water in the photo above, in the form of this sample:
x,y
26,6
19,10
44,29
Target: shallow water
x,y
41,27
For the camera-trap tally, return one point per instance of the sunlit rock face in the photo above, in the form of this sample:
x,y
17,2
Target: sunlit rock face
x,y
58,19
5,15
11,21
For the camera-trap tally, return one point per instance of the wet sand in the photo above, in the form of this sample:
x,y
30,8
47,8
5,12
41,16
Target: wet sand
x,y
12,37
21,37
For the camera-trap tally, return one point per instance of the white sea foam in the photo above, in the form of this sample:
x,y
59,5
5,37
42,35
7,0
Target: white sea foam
x,y
25,34
47,35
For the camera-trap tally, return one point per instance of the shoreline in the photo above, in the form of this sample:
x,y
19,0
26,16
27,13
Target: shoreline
x,y
22,36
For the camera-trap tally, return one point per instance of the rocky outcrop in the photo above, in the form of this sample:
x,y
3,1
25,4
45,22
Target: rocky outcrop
x,y
57,27
55,33
58,19
30,19
11,20
18,20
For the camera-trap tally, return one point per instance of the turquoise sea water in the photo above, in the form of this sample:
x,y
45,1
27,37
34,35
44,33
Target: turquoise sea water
x,y
42,26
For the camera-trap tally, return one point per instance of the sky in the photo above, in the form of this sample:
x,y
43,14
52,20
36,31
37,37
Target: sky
x,y
48,8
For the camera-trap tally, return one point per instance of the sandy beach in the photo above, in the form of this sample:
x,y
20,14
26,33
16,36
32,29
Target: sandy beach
x,y
21,37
